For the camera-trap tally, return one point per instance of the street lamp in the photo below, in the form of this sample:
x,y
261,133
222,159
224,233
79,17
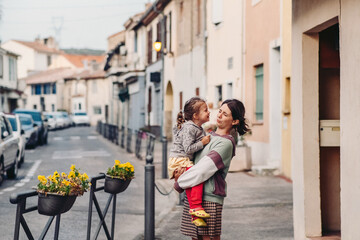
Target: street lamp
x,y
157,46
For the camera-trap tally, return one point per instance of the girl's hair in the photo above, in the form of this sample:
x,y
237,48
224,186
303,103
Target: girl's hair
x,y
191,107
238,113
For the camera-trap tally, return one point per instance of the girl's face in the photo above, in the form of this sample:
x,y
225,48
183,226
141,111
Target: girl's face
x,y
203,115
224,118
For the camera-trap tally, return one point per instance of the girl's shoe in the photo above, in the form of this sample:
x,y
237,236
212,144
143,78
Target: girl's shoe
x,y
199,222
199,213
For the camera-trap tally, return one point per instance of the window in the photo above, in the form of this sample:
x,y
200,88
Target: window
x,y
229,90
97,110
94,87
34,106
47,87
12,72
38,89
169,32
218,94
230,62
79,106
197,91
181,100
135,41
1,66
217,11
48,60
259,78
53,107
149,45
54,88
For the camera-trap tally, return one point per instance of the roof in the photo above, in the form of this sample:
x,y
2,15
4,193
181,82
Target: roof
x,y
87,74
115,34
150,13
39,47
49,76
78,60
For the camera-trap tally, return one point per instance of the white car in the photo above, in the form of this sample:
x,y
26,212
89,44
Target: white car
x,y
9,150
18,133
52,124
80,118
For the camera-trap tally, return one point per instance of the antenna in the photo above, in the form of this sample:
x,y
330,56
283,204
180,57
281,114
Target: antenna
x,y
57,25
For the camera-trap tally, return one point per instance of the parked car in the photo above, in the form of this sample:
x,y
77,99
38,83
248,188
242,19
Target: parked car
x,y
52,125
18,133
9,150
30,130
40,121
68,121
80,118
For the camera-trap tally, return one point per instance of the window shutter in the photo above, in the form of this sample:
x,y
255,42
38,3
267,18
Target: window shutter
x,y
259,76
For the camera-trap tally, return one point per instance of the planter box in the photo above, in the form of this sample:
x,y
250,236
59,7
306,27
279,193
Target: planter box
x,y
242,159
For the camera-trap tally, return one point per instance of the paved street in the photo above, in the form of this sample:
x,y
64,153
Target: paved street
x,y
91,153
257,207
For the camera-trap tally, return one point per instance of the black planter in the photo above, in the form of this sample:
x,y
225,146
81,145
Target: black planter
x,y
115,185
53,204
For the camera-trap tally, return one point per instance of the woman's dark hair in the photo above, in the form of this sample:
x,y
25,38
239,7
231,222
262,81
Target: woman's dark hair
x,y
191,107
238,113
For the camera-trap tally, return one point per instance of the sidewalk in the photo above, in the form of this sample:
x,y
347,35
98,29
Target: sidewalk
x,y
257,207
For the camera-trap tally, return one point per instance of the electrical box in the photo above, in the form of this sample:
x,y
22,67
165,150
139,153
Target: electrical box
x,y
329,133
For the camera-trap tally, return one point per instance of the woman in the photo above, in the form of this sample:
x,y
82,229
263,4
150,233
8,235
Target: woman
x,y
211,166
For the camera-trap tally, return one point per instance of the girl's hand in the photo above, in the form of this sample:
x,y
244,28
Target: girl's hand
x,y
178,172
205,140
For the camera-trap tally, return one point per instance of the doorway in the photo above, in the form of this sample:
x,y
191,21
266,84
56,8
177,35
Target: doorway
x,y
168,107
329,115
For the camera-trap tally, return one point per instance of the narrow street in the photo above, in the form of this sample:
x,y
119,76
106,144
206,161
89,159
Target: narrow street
x,y
92,154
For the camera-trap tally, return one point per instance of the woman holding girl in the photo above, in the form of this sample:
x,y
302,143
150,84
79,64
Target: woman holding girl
x,y
211,167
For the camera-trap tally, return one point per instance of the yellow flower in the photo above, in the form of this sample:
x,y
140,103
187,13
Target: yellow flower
x,y
117,162
71,174
85,176
63,174
72,167
56,174
65,182
54,180
42,179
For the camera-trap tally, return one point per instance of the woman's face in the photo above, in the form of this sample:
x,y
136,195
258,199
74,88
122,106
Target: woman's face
x,y
224,118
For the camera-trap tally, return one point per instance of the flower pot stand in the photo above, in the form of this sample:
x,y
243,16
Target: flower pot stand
x,y
112,186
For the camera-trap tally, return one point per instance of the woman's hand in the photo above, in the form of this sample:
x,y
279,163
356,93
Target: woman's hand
x,y
205,140
178,172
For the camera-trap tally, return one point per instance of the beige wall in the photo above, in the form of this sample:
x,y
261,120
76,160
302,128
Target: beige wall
x,y
309,18
97,96
25,61
286,84
225,42
262,28
350,116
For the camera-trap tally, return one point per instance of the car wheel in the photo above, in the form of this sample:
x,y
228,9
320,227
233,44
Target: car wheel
x,y
1,171
13,171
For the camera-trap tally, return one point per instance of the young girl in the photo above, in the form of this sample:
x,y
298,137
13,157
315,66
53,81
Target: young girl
x,y
189,137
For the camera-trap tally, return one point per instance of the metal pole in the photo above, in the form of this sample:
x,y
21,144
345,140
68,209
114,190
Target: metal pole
x,y
57,227
164,158
113,217
149,199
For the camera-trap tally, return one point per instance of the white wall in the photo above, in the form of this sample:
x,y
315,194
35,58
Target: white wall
x,y
26,58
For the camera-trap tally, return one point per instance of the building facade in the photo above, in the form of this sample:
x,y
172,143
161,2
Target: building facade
x,y
262,90
9,93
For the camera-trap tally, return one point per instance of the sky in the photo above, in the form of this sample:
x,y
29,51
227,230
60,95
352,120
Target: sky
x,y
74,23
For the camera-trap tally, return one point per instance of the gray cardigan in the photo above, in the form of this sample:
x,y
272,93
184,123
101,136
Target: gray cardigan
x,y
187,140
